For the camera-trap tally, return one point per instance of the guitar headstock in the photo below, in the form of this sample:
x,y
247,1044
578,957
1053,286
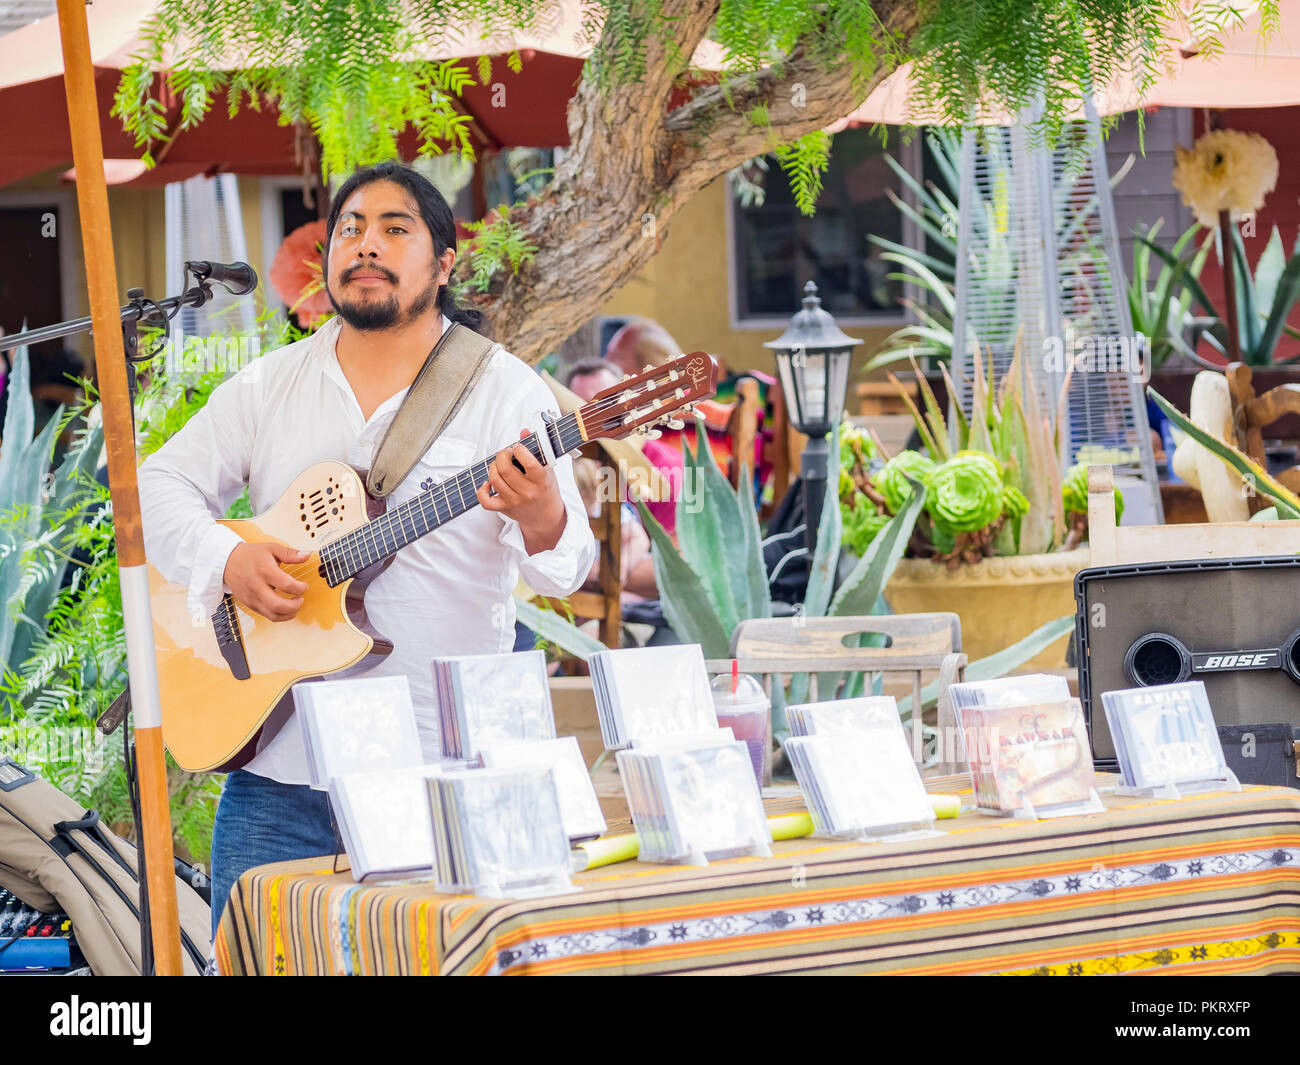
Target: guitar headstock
x,y
658,395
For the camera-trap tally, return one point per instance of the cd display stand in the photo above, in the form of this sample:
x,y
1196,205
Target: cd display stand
x,y
1169,790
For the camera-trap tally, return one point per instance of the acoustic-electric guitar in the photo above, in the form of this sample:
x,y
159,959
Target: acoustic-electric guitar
x,y
225,680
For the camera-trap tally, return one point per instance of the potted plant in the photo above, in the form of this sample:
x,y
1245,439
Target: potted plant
x,y
998,540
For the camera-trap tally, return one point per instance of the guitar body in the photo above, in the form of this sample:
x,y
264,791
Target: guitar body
x,y
212,718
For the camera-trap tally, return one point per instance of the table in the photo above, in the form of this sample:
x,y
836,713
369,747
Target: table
x,y
1206,884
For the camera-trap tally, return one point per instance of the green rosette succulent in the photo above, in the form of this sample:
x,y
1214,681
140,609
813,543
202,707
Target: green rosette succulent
x,y
966,493
1014,504
861,522
892,479
1074,493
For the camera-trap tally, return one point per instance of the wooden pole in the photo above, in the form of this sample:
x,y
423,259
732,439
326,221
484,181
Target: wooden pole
x,y
1230,287
1213,121
119,438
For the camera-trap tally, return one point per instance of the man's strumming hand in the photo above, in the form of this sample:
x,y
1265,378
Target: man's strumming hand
x,y
254,577
528,493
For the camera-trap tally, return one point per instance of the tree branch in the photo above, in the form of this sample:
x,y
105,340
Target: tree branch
x,y
631,166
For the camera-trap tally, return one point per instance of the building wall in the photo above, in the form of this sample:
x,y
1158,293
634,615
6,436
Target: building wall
x,y
685,288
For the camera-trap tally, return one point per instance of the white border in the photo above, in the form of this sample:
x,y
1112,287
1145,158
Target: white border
x,y
909,154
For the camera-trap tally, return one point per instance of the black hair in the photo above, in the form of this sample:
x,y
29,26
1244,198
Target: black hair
x,y
433,209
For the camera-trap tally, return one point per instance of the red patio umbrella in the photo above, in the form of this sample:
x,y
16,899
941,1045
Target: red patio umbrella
x,y
33,103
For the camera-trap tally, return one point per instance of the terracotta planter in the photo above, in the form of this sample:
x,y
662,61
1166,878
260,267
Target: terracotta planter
x,y
999,600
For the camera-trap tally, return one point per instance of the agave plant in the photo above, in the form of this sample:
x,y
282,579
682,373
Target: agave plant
x,y
1161,311
933,270
1264,298
1286,502
33,557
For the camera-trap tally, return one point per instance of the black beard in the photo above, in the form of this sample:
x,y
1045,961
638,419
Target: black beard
x,y
376,315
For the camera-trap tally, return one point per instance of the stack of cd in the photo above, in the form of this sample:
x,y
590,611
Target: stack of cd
x,y
842,715
644,693
383,821
487,699
1009,691
857,781
694,799
579,807
356,726
1027,745
498,832
1165,734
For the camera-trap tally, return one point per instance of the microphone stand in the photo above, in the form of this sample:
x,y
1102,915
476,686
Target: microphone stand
x,y
152,313
139,310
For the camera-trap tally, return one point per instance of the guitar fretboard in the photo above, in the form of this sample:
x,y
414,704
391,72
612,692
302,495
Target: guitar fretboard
x,y
404,524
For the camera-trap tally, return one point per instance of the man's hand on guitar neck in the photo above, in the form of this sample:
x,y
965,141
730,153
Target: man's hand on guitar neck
x,y
254,577
528,492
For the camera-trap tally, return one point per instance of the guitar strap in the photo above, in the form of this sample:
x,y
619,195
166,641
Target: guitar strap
x,y
447,377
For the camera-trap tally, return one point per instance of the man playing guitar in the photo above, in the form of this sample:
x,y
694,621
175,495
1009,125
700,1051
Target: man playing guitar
x,y
389,249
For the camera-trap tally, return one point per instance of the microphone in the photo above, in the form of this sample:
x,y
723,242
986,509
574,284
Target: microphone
x,y
238,279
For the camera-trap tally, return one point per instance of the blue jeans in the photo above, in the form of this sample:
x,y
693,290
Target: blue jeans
x,y
260,821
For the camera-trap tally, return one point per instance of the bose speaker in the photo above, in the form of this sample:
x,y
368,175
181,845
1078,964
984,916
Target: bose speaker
x,y
1233,623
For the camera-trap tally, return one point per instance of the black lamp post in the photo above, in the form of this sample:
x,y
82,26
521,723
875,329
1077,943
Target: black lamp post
x,y
812,361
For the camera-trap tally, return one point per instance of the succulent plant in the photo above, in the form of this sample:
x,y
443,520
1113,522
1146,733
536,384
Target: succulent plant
x,y
966,493
1074,493
862,521
892,481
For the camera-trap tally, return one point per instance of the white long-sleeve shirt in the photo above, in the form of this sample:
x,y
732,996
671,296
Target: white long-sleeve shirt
x,y
448,593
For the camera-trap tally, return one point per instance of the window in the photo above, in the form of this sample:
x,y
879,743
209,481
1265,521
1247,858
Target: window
x,y
775,249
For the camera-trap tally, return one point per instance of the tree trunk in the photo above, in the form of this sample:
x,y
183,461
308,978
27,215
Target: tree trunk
x,y
625,176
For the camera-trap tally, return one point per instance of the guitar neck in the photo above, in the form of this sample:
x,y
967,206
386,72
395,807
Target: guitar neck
x,y
383,537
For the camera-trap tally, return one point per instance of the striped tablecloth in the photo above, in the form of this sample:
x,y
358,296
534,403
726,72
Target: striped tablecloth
x,y
1208,884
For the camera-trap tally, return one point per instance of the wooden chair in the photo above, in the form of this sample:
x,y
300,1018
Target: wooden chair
x,y
1112,545
1253,414
743,428
775,647
605,604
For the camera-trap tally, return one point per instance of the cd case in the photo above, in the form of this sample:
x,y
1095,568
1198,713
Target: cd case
x,y
694,799
646,693
356,726
1032,756
860,782
579,806
842,715
498,832
383,822
492,699
1165,734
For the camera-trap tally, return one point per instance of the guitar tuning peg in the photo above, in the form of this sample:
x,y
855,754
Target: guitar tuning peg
x,y
652,434
627,377
675,423
647,368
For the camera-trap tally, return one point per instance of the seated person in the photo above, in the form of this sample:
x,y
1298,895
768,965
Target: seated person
x,y
640,343
595,375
